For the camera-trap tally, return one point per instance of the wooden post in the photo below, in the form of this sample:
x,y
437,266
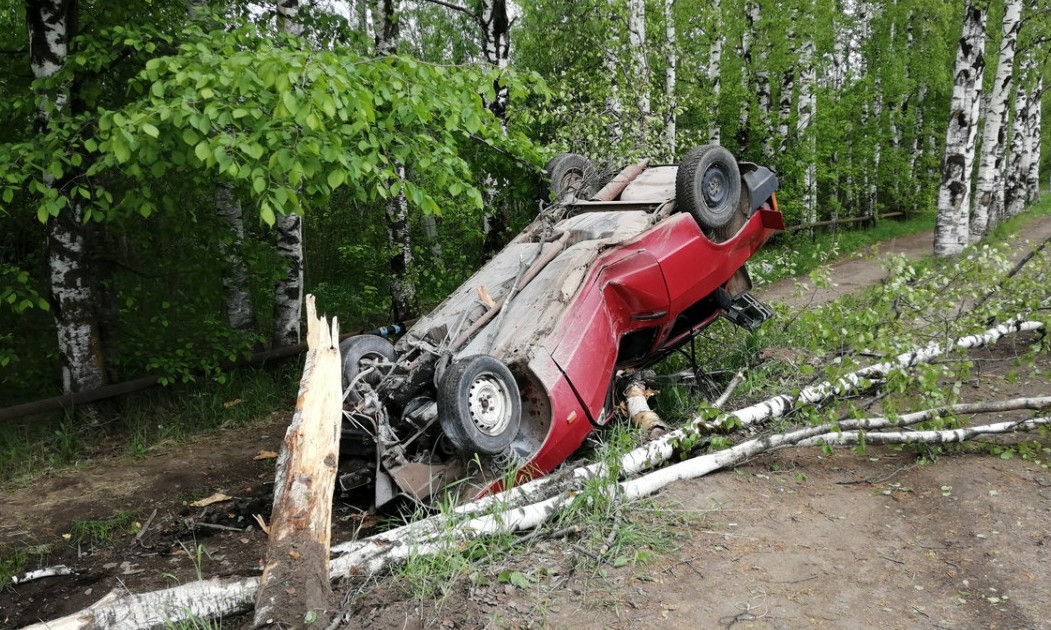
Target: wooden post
x,y
294,589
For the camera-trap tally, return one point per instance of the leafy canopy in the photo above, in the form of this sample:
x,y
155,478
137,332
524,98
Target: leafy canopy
x,y
286,124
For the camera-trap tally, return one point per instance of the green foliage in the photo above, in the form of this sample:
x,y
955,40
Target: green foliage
x,y
287,125
91,533
153,418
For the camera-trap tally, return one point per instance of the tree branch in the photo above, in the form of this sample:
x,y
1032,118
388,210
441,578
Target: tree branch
x,y
455,7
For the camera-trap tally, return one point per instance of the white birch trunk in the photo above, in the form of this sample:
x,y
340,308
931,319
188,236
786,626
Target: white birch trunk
x,y
1018,158
287,14
402,289
611,63
640,64
496,46
288,292
806,109
752,16
784,110
764,95
871,177
988,194
1034,128
52,25
239,312
918,146
951,224
715,60
672,60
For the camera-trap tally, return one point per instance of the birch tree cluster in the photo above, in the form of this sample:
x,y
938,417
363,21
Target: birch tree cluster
x,y
189,169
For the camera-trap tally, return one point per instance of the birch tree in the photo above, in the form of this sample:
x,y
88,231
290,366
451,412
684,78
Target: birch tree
x,y
672,60
496,46
951,224
288,292
806,110
52,27
1015,188
639,64
402,288
989,193
715,59
240,314
753,13
1034,126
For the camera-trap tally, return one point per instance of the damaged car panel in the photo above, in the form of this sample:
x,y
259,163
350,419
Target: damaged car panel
x,y
514,369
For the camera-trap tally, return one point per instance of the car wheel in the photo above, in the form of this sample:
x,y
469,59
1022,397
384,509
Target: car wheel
x,y
708,185
368,356
568,173
479,405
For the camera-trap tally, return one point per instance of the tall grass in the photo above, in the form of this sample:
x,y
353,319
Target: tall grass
x,y
135,424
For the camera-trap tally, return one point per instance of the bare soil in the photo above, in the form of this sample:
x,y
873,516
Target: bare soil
x,y
793,539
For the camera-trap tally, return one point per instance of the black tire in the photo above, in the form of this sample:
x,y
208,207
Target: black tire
x,y
568,173
708,186
362,352
479,405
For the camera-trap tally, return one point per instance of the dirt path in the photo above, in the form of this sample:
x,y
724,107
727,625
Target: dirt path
x,y
796,539
865,269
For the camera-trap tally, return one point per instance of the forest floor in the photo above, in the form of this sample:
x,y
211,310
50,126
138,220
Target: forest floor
x,y
793,539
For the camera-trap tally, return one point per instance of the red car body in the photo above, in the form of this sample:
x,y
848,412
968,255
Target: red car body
x,y
644,287
590,288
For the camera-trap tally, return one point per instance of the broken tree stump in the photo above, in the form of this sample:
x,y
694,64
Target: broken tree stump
x,y
636,395
294,589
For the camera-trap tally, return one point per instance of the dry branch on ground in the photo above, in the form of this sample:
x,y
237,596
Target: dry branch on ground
x,y
533,504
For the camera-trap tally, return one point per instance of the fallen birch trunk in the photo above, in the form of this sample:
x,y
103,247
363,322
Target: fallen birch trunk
x,y
295,582
661,450
530,504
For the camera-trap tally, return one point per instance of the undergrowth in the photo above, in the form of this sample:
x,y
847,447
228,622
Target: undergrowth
x,y
136,424
799,253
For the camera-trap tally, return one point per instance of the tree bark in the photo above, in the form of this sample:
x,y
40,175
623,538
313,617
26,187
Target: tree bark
x,y
989,194
611,64
295,581
1035,136
640,65
715,59
52,26
672,61
806,110
288,292
744,132
396,210
764,95
239,312
496,46
951,224
1015,192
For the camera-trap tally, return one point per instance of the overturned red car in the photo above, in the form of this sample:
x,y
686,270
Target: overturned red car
x,y
512,371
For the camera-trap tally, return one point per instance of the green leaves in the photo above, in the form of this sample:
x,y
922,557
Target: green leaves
x,y
290,127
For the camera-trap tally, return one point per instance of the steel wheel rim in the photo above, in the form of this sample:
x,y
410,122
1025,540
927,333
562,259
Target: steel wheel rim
x,y
714,186
489,404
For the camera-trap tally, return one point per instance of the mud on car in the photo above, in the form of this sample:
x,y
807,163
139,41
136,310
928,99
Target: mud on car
x,y
516,367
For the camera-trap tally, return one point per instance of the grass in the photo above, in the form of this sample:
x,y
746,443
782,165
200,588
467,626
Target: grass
x,y
91,532
797,254
138,423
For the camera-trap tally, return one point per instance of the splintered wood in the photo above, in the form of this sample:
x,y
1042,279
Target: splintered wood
x,y
295,582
